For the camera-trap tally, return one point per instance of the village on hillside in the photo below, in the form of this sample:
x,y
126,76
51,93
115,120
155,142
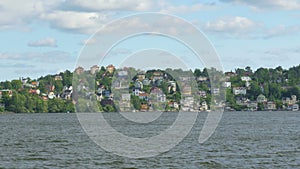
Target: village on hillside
x,y
128,89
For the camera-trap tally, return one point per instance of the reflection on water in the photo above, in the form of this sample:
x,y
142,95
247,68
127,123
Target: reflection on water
x,y
242,140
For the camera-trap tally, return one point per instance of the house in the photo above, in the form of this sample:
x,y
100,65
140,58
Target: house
x,y
143,95
187,104
110,69
202,93
203,106
230,74
227,84
246,78
35,84
158,82
67,92
122,74
51,95
173,105
186,78
295,107
7,91
124,104
171,86
79,70
186,90
24,80
155,90
294,99
146,81
157,95
94,69
271,105
202,79
157,75
239,90
136,91
242,101
107,93
34,91
289,101
120,84
141,76
144,107
138,84
252,106
57,77
261,99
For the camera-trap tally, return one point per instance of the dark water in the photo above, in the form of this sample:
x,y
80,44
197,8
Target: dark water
x,y
242,140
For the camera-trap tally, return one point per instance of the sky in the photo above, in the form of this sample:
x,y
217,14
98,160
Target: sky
x,y
40,37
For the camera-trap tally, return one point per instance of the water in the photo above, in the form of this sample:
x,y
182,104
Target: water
x,y
242,140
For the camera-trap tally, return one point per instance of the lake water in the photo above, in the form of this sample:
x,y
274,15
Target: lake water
x,y
242,140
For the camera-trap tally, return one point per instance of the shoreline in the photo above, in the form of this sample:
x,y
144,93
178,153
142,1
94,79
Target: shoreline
x,y
5,113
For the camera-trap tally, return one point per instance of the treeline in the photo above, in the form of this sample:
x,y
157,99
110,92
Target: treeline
x,y
25,98
274,83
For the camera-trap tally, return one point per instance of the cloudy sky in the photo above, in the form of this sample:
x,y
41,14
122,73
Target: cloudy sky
x,y
40,37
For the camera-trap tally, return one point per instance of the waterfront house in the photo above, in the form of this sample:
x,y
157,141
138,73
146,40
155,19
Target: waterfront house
x,y
270,105
295,107
187,104
252,105
203,106
144,107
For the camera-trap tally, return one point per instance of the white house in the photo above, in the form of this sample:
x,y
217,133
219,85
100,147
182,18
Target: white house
x,y
239,90
246,78
227,84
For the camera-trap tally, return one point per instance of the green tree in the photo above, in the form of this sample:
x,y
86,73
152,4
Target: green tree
x,y
16,84
136,102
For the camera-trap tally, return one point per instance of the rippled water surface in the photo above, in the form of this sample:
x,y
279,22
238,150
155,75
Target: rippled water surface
x,y
242,140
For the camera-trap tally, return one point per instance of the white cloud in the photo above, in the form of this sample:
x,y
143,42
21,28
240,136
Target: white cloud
x,y
18,15
83,22
99,5
186,8
268,4
232,26
47,42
